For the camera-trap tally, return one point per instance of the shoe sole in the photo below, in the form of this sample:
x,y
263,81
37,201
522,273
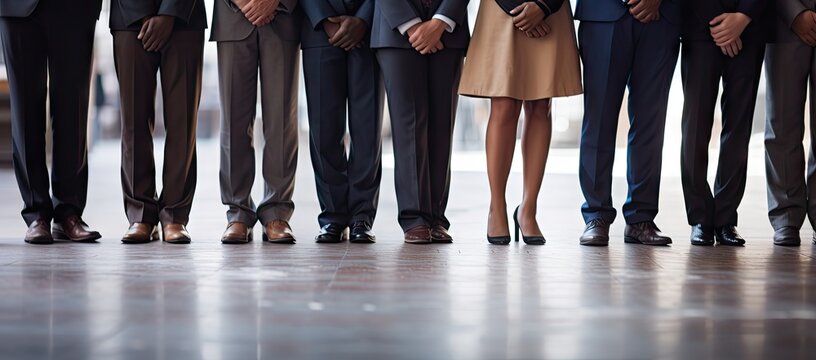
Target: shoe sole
x,y
289,240
631,240
595,242
419,242
337,241
788,243
726,243
43,240
178,242
363,241
59,235
699,243
442,241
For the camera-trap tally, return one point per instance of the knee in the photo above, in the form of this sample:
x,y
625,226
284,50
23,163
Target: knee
x,y
537,109
504,110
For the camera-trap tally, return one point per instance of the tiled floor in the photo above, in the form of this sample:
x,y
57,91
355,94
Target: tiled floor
x,y
466,300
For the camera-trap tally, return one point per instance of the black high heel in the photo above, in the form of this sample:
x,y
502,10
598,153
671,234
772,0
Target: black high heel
x,y
529,240
499,240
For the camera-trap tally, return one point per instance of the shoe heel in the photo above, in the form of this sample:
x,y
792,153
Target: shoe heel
x,y
515,220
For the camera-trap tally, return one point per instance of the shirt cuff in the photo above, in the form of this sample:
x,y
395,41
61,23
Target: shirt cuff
x,y
407,25
451,24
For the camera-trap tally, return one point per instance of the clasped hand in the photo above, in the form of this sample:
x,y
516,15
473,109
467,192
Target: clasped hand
x,y
156,31
529,18
645,11
726,30
805,27
426,37
346,32
258,12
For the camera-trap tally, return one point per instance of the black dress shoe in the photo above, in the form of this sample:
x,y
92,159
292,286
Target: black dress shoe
x,y
331,233
702,235
596,233
727,235
645,233
361,233
787,236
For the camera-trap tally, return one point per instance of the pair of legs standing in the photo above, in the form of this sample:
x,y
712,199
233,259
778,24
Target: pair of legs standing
x,y
500,144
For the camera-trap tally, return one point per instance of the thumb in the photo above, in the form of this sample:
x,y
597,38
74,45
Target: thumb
x,y
334,19
518,9
143,30
717,20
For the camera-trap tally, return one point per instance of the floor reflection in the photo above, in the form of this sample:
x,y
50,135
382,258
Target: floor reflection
x,y
390,300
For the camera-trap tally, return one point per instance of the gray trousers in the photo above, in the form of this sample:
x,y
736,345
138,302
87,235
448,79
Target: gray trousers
x,y
239,64
791,190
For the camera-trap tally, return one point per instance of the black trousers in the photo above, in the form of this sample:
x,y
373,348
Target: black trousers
x,y
422,99
348,185
703,65
54,43
180,66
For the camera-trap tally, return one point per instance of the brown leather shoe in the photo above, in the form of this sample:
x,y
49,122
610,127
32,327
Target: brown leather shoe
x,y
175,234
440,234
141,233
74,229
418,235
278,232
39,232
237,233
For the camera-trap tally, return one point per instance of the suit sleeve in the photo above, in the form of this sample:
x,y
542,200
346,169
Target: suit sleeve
x,y
397,12
317,11
366,12
752,8
135,10
287,6
789,10
181,9
455,10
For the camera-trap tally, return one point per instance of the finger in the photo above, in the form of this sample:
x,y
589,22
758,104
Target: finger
x,y
334,19
718,19
638,8
143,30
739,44
546,27
518,9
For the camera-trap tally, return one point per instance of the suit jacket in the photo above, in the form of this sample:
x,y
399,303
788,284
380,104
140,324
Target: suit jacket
x,y
390,14
24,8
784,12
230,24
613,10
127,15
698,13
317,11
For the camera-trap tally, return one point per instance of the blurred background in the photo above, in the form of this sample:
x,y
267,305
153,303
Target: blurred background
x,y
104,122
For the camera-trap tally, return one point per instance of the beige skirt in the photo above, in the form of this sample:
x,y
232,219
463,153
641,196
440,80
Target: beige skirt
x,y
504,62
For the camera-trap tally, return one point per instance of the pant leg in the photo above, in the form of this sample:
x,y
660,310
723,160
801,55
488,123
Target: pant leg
x,y
445,69
238,88
70,47
182,62
408,107
701,69
811,170
655,58
25,54
326,76
136,70
279,89
365,108
787,66
740,84
606,52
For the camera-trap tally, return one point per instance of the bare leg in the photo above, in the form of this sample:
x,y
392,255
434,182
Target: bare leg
x,y
500,143
535,147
